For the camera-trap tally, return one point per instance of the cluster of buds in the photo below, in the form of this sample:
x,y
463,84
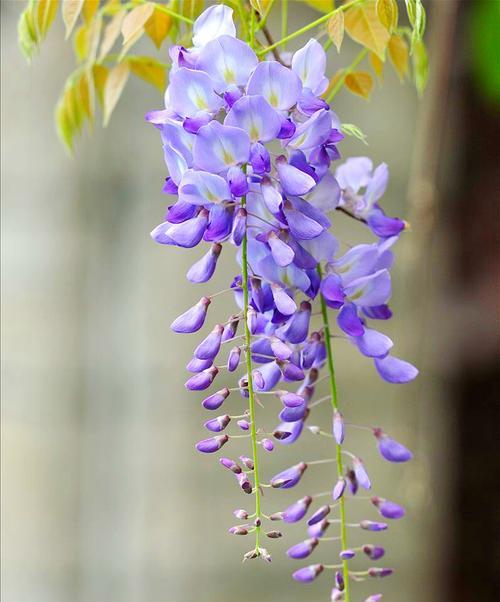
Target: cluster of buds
x,y
249,146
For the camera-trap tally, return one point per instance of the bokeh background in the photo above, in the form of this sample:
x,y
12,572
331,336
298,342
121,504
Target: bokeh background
x,y
103,496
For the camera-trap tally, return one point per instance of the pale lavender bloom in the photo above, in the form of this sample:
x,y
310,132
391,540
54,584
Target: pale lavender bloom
x,y
308,573
190,92
297,327
293,180
228,61
374,289
213,22
186,234
204,268
309,63
244,483
244,425
312,132
297,510
211,445
302,549
390,449
203,188
214,402
218,147
373,343
277,84
193,319
256,116
395,370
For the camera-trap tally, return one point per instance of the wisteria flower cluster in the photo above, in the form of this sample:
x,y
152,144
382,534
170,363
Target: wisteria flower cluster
x,y
251,152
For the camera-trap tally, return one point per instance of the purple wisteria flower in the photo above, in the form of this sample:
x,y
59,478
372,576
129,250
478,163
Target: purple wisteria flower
x,y
250,147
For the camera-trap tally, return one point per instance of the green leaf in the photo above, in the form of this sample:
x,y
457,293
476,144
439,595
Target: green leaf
x,y
364,27
71,10
26,32
324,6
420,66
113,88
484,26
353,130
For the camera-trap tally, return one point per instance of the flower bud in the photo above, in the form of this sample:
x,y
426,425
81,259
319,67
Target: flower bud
x,y
347,554
238,531
241,514
209,347
203,269
196,365
274,534
388,509
374,598
339,581
297,510
267,444
302,549
280,349
218,424
211,445
202,380
295,414
230,465
193,319
319,515
230,329
353,482
338,427
373,552
265,555
308,573
319,529
390,449
214,402
292,400
338,490
243,424
336,595
233,361
248,462
380,572
276,516
244,483
370,525
252,320
361,475
288,478
239,225
250,555
257,522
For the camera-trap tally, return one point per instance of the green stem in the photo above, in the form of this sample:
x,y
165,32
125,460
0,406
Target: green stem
x,y
335,406
164,9
264,17
306,28
336,88
251,393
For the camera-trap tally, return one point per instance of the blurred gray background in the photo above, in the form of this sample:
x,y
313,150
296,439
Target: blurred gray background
x,y
103,497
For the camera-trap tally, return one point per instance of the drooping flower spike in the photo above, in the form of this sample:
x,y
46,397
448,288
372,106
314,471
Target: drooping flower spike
x,y
249,148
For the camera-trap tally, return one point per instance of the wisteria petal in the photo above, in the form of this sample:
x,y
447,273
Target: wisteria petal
x,y
309,63
313,132
256,116
374,289
218,147
277,84
395,370
213,22
192,91
294,181
203,188
373,343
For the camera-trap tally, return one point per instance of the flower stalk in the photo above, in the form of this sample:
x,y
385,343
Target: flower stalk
x,y
338,447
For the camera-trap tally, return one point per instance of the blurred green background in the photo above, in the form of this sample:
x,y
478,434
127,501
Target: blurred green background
x,y
103,497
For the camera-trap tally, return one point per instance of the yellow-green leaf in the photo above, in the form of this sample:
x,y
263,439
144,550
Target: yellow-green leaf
x,y
387,12
136,20
158,26
260,5
360,83
191,8
47,10
87,95
70,11
100,75
126,47
377,64
335,27
26,32
149,69
364,27
324,6
399,55
89,9
80,42
63,124
113,88
420,65
111,33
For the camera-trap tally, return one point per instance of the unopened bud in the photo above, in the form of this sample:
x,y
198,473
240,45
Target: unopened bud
x,y
274,534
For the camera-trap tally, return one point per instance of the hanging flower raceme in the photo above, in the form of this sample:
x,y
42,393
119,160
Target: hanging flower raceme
x,y
248,146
